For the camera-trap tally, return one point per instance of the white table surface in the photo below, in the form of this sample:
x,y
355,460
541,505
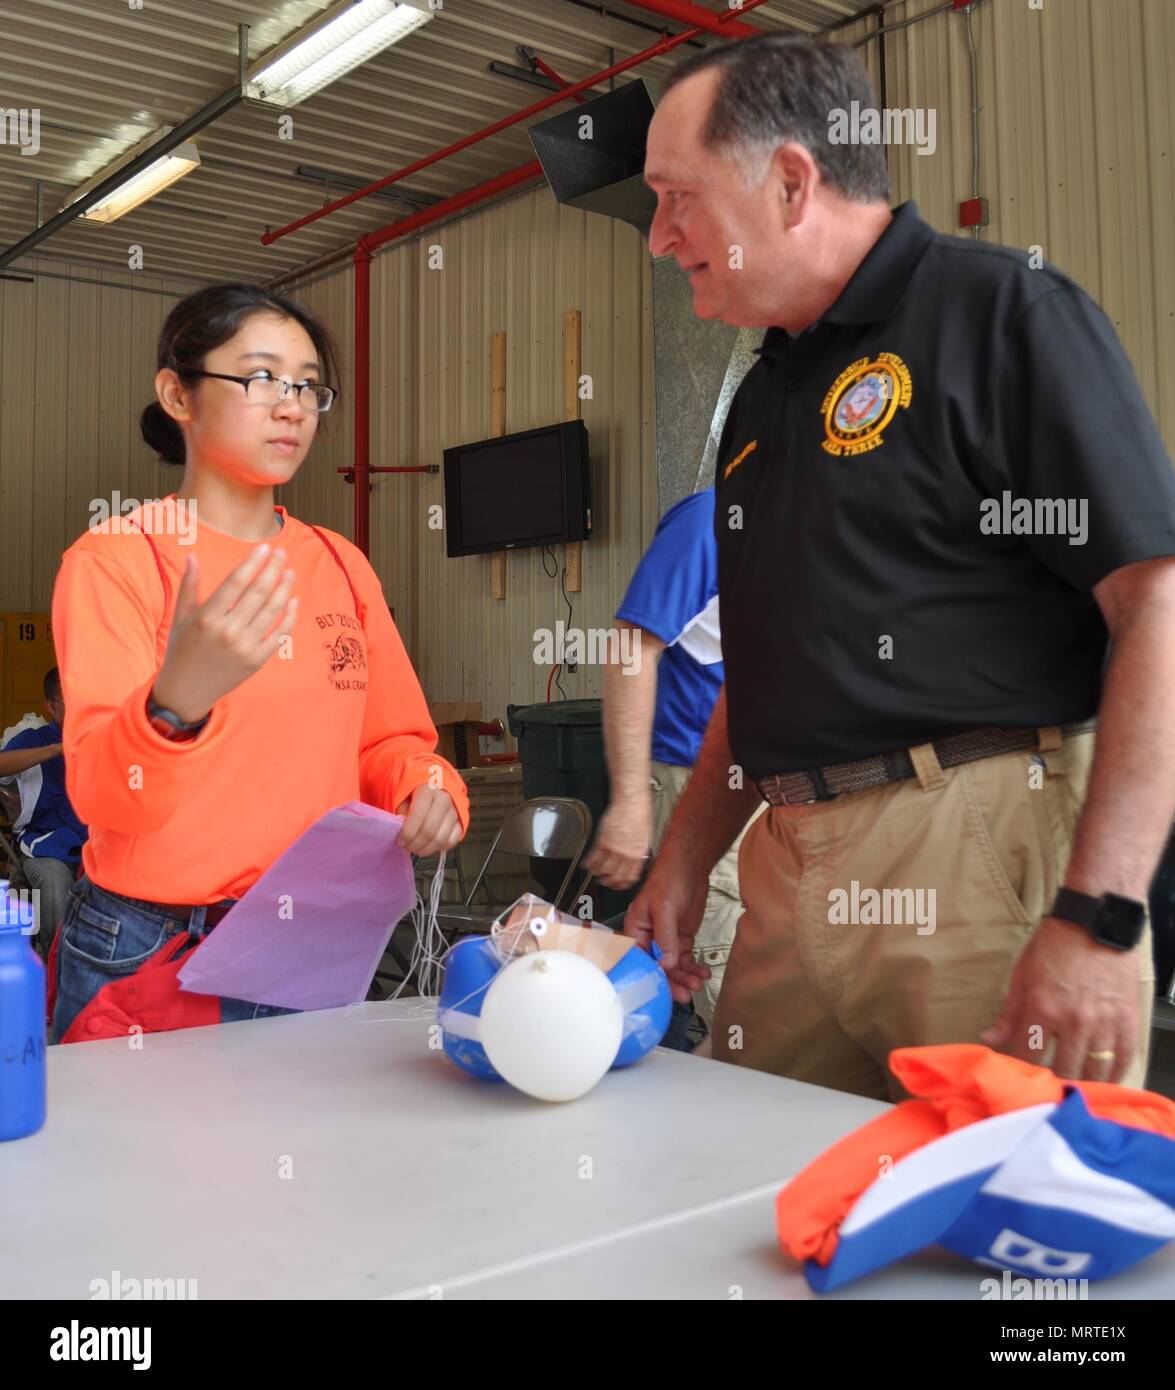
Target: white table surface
x,y
728,1251
410,1179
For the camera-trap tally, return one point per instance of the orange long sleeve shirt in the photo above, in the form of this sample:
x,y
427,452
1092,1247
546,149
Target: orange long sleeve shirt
x,y
338,716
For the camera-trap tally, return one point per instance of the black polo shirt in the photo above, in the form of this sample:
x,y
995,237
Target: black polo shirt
x,y
915,499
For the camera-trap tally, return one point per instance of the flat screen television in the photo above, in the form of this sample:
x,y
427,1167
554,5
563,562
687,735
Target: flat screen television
x,y
525,489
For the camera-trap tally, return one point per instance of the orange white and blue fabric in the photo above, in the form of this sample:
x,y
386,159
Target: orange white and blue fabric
x,y
995,1159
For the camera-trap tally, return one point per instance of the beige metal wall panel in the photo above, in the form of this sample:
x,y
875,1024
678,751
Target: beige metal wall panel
x,y
77,364
1077,139
514,268
1158,128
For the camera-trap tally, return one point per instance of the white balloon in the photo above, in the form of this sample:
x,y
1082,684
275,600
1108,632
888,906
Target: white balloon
x,y
551,1024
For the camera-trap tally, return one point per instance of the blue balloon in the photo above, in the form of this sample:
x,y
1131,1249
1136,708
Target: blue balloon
x,y
472,966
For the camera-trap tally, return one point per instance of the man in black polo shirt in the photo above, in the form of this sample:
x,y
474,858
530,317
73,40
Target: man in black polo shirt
x,y
939,494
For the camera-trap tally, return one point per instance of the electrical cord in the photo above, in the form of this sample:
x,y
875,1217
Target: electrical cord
x,y
557,670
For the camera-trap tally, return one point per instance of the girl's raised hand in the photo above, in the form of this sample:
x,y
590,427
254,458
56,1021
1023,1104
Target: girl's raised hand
x,y
217,645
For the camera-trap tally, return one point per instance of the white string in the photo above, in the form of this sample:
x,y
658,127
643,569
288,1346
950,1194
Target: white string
x,y
428,947
428,960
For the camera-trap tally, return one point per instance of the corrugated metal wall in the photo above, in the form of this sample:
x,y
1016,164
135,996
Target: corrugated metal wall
x,y
77,362
1077,143
513,269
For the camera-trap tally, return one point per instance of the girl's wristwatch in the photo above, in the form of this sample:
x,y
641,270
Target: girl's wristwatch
x,y
168,724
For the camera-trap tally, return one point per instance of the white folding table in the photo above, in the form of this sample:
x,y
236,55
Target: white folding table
x,y
337,1155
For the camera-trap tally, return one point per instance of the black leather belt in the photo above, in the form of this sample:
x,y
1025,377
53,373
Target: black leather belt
x,y
181,912
824,783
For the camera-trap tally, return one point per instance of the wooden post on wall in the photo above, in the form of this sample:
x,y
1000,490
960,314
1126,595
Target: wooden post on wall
x,y
572,343
498,428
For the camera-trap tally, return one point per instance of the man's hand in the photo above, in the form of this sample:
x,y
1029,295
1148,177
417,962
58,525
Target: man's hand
x,y
668,910
431,823
1083,995
621,849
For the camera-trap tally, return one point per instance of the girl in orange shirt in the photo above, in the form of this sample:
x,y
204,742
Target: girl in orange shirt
x,y
231,673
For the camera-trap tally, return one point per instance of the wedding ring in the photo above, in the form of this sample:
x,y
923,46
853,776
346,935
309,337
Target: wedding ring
x,y
1106,1055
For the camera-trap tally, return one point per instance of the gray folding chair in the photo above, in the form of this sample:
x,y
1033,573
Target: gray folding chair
x,y
550,829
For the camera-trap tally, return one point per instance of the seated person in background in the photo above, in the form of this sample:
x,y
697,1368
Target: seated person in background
x,y
48,833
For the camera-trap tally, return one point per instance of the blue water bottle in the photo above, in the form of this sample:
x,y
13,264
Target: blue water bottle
x,y
22,1021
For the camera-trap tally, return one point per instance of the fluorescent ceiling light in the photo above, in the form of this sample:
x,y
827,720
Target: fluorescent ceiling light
x,y
140,187
347,35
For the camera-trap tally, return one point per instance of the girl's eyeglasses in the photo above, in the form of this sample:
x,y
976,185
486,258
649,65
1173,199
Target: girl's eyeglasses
x,y
272,390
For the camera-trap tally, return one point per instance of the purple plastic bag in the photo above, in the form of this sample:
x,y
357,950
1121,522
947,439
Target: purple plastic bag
x,y
310,932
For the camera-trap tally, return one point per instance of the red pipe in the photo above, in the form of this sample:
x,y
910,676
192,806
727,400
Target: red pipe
x,y
688,13
349,469
663,45
362,391
500,182
548,71
363,249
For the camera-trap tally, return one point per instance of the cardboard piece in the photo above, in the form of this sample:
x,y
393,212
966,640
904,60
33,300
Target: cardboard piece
x,y
532,924
457,723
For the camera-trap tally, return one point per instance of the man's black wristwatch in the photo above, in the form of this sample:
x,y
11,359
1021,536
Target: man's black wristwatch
x,y
1111,920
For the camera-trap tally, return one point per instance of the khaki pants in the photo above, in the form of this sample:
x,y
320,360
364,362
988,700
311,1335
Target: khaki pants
x,y
823,1002
723,904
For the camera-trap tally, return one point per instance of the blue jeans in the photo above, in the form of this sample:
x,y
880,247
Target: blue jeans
x,y
677,1037
105,937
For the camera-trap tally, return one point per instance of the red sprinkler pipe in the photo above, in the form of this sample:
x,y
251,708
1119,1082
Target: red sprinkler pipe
x,y
685,12
548,71
363,249
665,44
362,392
523,173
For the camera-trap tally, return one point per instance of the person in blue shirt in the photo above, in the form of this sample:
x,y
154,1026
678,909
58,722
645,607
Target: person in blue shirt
x,y
48,833
656,709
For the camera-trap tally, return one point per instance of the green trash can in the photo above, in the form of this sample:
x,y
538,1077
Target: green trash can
x,y
561,747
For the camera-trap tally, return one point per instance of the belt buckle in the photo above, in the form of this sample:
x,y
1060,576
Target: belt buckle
x,y
777,785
